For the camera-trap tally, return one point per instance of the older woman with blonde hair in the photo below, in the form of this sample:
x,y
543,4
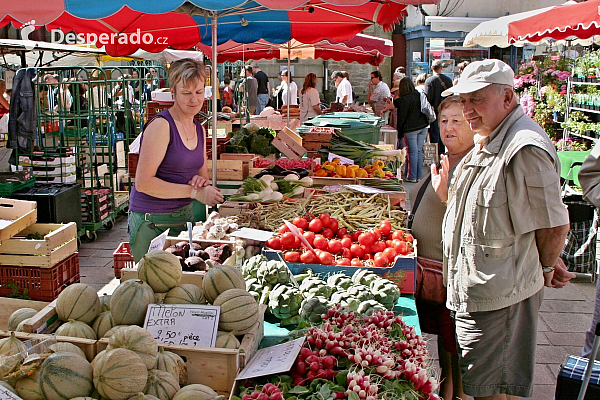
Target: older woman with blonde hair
x,y
172,169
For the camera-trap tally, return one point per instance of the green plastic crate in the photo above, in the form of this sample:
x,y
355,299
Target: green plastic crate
x,y
359,126
8,188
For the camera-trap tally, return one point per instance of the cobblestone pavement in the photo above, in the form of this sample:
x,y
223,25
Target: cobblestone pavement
x,y
564,317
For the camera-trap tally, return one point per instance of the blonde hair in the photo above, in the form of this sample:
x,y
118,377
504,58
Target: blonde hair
x,y
186,70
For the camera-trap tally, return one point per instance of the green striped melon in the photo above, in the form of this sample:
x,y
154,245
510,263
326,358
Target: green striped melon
x,y
221,278
239,311
112,330
161,270
161,384
19,315
97,358
64,376
68,347
129,302
186,293
173,364
28,388
12,342
105,302
120,374
83,398
79,302
6,385
138,340
142,396
196,392
227,340
76,329
103,323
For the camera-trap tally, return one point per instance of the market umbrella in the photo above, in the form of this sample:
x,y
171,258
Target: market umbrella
x,y
563,22
181,25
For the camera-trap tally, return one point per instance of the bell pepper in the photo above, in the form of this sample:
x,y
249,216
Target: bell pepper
x,y
369,167
361,173
379,164
336,160
321,173
329,168
351,172
352,166
340,170
378,173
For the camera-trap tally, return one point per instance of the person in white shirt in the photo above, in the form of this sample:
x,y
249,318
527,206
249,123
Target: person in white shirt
x,y
309,98
289,89
344,88
380,93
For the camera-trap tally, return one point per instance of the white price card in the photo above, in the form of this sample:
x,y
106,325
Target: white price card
x,y
365,189
158,243
253,234
6,394
272,360
343,160
187,324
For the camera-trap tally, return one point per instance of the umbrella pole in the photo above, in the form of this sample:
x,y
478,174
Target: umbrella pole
x,y
215,87
288,94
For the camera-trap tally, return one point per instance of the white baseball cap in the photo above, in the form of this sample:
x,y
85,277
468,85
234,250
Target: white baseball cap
x,y
480,74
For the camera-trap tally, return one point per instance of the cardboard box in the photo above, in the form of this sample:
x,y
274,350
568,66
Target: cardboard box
x,y
229,170
228,208
246,157
59,242
43,161
289,143
18,215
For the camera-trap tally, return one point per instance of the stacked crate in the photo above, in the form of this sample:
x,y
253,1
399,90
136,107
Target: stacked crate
x,y
96,205
313,141
51,168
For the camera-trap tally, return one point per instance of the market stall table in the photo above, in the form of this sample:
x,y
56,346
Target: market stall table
x,y
567,158
274,334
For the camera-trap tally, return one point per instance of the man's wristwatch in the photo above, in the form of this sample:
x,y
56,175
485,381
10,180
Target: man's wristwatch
x,y
547,269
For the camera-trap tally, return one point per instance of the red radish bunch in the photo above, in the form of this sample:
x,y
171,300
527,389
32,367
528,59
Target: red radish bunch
x,y
267,392
361,384
286,163
310,365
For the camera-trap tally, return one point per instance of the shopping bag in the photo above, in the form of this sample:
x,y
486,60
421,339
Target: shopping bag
x,y
426,108
4,124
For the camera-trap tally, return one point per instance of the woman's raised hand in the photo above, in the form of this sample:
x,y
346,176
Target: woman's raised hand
x,y
439,178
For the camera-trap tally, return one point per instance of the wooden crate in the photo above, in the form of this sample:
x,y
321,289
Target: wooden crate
x,y
60,241
289,143
19,215
8,306
229,170
216,368
330,181
246,157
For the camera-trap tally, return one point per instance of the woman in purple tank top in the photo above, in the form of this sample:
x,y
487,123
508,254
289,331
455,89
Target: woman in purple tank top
x,y
172,170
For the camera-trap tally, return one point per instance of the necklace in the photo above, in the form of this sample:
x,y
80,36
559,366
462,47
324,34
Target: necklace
x,y
187,138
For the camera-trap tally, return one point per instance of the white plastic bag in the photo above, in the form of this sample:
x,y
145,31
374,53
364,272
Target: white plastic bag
x,y
4,123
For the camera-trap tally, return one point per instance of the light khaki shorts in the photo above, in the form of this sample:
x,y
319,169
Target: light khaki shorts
x,y
497,349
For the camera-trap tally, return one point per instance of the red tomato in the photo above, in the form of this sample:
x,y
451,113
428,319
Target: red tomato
x,y
300,222
400,247
315,225
380,260
335,246
309,236
343,261
300,230
346,253
355,235
377,233
309,257
346,236
390,253
297,243
283,229
326,258
366,249
321,243
366,238
378,247
356,262
357,251
408,237
389,243
274,243
386,227
287,240
328,233
325,219
342,232
346,242
334,225
399,234
292,256
368,256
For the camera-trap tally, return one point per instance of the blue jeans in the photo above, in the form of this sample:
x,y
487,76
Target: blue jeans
x,y
263,99
434,136
415,141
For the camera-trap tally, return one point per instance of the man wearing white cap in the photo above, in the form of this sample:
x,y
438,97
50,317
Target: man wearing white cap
x,y
503,231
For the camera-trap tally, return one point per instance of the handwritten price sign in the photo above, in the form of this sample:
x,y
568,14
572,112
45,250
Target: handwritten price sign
x,y
187,324
272,360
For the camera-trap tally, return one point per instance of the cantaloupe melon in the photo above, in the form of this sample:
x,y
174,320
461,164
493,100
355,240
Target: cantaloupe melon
x,y
96,359
221,278
28,388
68,347
120,374
113,330
138,340
103,323
65,376
21,326
239,311
186,293
12,342
84,398
105,302
129,302
195,392
170,362
161,384
79,302
142,396
76,329
19,315
7,385
227,340
161,270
